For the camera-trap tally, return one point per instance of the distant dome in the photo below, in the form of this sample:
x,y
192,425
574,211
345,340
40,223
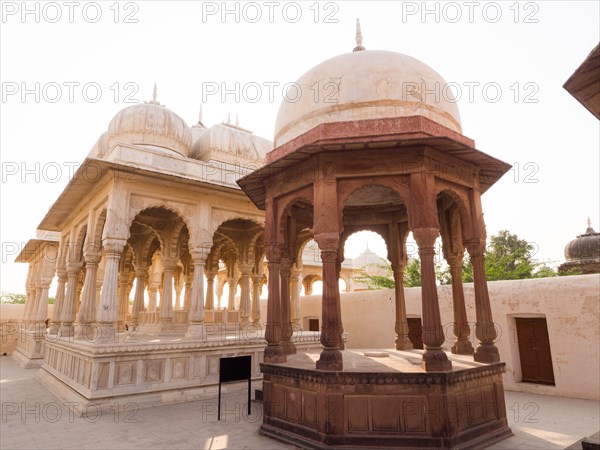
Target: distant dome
x,y
231,141
586,246
150,124
369,84
368,258
583,254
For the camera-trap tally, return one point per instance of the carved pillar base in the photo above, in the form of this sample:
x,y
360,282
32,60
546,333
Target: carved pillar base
x,y
165,324
435,360
196,331
486,353
274,354
85,331
330,359
106,333
403,343
66,330
462,347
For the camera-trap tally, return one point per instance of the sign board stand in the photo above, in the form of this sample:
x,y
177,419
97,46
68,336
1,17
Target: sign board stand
x,y
237,368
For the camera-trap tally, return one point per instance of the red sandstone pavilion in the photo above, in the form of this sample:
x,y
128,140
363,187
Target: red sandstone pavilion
x,y
373,151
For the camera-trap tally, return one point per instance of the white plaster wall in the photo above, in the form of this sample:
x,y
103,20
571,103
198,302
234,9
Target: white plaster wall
x,y
571,306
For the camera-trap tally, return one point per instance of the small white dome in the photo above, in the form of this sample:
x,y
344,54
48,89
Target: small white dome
x,y
232,140
371,84
150,124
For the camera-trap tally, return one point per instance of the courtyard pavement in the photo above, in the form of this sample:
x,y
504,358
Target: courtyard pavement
x,y
33,419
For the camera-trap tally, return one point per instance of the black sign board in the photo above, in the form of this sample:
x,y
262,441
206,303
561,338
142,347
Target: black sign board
x,y
237,368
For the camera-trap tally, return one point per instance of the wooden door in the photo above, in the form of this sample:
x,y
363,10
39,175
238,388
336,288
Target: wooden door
x,y
534,350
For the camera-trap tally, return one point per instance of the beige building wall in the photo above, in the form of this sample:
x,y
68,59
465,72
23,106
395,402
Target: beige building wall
x,y
571,306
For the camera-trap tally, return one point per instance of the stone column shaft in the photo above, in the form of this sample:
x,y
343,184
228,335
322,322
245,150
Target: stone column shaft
x,y
166,300
256,298
138,299
246,271
106,316
58,302
210,290
434,358
196,316
485,331
331,356
67,316
274,352
286,333
296,313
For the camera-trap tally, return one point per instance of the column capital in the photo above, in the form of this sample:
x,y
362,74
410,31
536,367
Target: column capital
x,y
141,272
328,242
246,268
273,252
113,247
475,247
73,268
425,237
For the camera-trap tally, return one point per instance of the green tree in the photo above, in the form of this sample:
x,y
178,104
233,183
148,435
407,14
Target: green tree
x,y
412,273
509,258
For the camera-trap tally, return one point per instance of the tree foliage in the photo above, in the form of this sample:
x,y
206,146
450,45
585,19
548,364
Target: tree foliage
x,y
507,258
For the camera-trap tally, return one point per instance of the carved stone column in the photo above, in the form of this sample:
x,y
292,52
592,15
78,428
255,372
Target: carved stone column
x,y
331,356
40,314
453,249
79,290
397,234
232,282
67,316
106,316
141,273
256,279
123,302
246,271
187,298
87,313
152,297
434,358
166,300
286,333
485,331
296,313
274,352
178,284
196,316
210,290
58,302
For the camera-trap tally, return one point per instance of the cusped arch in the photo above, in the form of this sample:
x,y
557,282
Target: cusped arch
x,y
76,248
397,185
140,205
461,201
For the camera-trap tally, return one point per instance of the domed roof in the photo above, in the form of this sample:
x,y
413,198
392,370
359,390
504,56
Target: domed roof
x,y
585,247
368,258
150,124
230,141
369,84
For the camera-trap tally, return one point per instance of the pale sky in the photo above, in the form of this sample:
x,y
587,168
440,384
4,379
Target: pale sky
x,y
67,68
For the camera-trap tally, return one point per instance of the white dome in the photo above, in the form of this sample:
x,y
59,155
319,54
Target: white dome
x,y
371,84
150,124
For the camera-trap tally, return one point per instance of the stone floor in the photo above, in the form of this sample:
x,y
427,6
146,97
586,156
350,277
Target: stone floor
x,y
33,419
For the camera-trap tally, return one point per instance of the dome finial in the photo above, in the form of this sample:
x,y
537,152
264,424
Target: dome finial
x,y
154,101
589,227
359,47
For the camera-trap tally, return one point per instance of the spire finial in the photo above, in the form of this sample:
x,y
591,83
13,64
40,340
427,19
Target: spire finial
x,y
200,114
589,222
359,47
229,118
154,96
237,120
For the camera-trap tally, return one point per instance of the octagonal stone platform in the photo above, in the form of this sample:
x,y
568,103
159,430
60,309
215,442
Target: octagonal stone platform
x,y
384,402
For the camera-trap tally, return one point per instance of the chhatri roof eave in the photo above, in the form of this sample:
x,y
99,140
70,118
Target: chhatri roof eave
x,y
410,131
81,185
32,248
584,83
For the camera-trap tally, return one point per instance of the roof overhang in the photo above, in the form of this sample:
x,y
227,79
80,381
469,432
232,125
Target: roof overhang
x,y
393,133
32,249
584,84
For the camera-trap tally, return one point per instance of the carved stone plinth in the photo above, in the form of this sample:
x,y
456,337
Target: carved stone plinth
x,y
384,402
29,353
